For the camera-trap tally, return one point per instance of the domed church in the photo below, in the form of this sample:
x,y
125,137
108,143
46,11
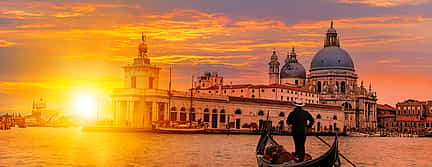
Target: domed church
x,y
333,77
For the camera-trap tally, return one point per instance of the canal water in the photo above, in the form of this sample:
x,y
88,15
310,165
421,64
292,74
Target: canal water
x,y
72,147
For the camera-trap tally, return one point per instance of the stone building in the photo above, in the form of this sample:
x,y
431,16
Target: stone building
x,y
413,114
332,75
141,104
386,116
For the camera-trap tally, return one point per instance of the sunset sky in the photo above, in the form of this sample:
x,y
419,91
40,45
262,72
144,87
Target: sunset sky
x,y
57,50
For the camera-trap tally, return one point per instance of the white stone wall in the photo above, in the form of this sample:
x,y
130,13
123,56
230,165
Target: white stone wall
x,y
142,74
281,94
133,110
292,81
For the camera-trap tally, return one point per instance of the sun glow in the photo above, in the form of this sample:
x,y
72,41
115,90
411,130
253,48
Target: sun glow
x,y
85,106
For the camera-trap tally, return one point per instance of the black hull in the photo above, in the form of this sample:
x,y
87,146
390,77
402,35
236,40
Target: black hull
x,y
328,159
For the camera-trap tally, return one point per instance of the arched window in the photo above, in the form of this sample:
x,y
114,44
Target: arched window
x,y
206,115
214,111
261,113
238,111
346,106
173,114
319,87
192,114
282,114
318,116
337,86
334,117
222,116
183,114
343,87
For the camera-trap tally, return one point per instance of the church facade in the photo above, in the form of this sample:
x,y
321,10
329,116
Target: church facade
x,y
333,78
141,103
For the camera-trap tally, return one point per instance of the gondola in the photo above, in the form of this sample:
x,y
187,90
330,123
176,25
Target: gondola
x,y
328,159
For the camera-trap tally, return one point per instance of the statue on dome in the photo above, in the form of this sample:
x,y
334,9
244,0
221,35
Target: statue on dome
x,y
142,48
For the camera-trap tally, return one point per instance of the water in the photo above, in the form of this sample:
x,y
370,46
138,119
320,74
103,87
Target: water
x,y
71,147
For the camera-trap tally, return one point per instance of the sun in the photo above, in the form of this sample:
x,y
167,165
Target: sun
x,y
85,106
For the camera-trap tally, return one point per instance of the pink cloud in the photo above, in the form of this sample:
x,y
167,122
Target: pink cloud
x,y
385,3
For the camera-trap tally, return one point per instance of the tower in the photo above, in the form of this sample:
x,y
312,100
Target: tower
x,y
331,37
274,69
141,74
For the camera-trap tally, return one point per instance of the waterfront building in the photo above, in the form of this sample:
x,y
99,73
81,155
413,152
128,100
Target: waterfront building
x,y
39,107
414,115
386,116
41,115
141,104
280,92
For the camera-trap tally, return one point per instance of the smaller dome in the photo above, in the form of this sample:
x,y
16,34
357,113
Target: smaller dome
x,y
293,70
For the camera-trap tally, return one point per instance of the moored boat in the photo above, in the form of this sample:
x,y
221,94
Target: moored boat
x,y
426,134
328,159
358,134
179,130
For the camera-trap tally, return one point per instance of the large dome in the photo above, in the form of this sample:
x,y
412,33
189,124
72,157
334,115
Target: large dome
x,y
332,58
293,70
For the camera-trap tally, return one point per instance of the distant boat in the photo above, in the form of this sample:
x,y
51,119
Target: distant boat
x,y
179,130
358,134
328,159
426,134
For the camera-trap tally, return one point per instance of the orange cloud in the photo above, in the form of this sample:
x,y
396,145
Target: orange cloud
x,y
18,14
4,43
385,3
31,26
250,25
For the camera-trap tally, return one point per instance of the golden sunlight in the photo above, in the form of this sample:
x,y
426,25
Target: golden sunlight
x,y
85,106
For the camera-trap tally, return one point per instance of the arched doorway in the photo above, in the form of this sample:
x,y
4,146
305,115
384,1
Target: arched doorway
x,y
173,114
214,121
206,115
192,116
183,114
222,118
237,120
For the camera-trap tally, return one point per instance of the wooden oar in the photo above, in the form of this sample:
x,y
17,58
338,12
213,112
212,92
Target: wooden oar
x,y
338,151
